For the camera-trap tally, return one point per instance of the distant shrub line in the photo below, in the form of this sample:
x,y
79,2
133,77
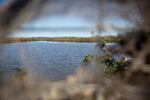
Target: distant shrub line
x,y
108,39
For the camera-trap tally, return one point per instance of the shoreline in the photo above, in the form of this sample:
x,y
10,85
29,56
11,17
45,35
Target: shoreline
x,y
107,39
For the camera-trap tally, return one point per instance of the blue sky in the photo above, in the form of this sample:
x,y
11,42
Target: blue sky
x,y
70,20
2,1
60,21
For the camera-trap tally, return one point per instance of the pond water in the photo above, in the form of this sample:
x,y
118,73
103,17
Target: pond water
x,y
50,60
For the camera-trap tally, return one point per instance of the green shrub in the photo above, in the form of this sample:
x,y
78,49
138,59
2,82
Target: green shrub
x,y
20,72
112,66
88,58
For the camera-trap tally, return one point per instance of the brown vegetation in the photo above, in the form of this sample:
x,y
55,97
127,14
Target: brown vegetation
x,y
108,39
88,83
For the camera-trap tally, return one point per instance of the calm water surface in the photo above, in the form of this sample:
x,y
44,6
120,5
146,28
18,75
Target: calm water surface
x,y
51,60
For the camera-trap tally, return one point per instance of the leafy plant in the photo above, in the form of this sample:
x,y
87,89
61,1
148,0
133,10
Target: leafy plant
x,y
88,58
112,66
20,72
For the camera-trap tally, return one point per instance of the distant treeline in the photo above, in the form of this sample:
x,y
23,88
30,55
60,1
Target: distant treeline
x,y
107,39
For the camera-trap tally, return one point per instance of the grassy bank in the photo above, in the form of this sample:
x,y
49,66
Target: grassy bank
x,y
107,39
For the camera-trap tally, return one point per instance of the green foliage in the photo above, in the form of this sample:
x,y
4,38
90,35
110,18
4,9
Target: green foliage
x,y
20,72
112,66
88,58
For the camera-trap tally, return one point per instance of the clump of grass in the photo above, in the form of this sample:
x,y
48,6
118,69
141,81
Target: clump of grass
x,y
88,58
19,72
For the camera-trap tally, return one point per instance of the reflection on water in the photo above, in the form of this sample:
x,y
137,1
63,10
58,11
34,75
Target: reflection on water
x,y
52,60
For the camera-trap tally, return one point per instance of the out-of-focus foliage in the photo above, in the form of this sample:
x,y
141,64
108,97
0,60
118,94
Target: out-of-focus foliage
x,y
85,84
112,66
20,72
88,58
